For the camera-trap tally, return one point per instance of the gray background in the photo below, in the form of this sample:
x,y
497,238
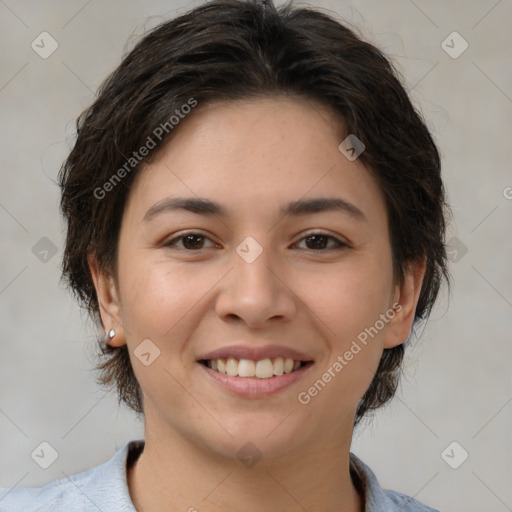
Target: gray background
x,y
457,384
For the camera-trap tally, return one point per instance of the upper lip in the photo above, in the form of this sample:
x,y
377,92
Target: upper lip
x,y
256,353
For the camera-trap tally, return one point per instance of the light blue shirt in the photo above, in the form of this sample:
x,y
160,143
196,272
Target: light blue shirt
x,y
104,488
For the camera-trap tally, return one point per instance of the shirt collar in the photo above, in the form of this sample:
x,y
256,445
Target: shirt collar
x,y
374,497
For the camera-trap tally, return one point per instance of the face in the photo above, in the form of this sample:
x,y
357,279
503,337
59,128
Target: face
x,y
263,271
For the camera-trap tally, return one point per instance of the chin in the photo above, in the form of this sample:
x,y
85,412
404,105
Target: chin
x,y
259,436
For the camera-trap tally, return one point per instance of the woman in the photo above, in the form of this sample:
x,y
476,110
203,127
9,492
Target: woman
x,y
256,221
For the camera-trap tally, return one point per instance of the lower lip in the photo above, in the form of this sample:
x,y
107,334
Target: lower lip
x,y
252,387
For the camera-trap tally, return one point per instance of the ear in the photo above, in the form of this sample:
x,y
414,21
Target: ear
x,y
404,304
108,300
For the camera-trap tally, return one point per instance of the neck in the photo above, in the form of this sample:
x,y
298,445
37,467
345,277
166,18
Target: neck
x,y
175,474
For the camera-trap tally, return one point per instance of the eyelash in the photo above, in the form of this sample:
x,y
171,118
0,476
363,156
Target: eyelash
x,y
340,245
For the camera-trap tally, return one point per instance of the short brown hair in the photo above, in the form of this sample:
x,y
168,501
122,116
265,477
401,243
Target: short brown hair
x,y
230,50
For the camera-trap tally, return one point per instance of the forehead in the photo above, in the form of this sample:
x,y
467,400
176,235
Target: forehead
x,y
256,155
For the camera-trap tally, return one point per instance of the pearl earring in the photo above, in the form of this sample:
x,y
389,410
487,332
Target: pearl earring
x,y
111,334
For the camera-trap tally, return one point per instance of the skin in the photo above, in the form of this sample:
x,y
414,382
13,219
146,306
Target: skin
x,y
252,157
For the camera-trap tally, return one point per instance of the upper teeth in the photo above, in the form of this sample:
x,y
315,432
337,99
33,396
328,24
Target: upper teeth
x,y
263,369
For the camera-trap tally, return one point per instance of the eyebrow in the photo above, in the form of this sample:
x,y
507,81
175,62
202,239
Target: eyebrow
x,y
203,206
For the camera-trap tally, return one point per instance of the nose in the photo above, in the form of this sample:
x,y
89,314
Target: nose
x,y
255,293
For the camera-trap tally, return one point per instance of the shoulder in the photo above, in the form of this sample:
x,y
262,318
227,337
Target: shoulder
x,y
56,495
103,487
382,500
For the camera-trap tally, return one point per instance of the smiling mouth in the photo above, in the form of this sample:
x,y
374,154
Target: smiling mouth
x,y
262,369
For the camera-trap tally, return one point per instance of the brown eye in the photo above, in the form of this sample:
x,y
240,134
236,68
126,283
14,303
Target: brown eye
x,y
193,241
319,242
190,242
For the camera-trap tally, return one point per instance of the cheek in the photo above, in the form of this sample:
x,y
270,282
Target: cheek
x,y
354,348
350,304
163,305
161,301
349,298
